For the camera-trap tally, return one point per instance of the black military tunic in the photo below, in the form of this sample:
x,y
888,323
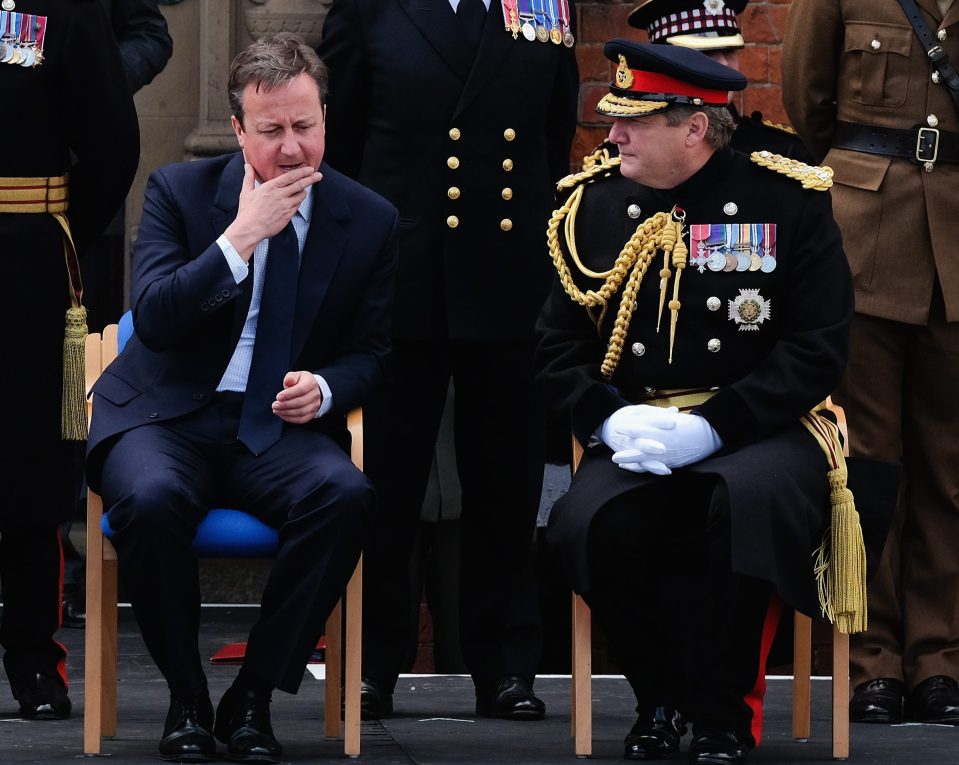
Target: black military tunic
x,y
73,113
773,340
753,133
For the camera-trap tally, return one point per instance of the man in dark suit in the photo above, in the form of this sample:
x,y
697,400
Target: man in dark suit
x,y
234,388
60,172
464,124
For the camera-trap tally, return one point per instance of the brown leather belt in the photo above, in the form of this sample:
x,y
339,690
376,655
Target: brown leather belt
x,y
921,145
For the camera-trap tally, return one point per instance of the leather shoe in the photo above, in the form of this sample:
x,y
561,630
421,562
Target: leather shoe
x,y
717,748
934,700
657,739
243,724
511,699
72,613
186,733
42,698
877,701
375,701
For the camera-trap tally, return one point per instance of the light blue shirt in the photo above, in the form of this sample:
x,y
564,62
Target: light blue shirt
x,y
237,371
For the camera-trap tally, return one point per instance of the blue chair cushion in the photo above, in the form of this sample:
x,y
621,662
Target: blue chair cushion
x,y
227,534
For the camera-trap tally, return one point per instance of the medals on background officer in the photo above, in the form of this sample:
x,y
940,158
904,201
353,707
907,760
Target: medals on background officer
x,y
21,36
539,20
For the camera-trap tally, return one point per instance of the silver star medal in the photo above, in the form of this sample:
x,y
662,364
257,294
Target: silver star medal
x,y
749,310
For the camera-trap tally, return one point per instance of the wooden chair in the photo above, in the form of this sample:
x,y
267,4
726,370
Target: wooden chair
x,y
100,690
582,664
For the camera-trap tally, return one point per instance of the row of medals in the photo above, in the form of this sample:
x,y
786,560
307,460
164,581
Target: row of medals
x,y
721,259
24,55
535,31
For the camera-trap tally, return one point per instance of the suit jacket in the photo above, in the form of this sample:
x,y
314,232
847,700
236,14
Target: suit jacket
x,y
415,116
860,61
188,310
73,113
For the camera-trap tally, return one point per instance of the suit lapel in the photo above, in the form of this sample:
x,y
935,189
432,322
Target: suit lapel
x,y
225,207
438,24
494,46
952,15
322,252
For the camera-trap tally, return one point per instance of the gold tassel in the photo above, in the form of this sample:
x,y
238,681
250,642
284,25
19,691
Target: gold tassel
x,y
844,574
73,421
840,565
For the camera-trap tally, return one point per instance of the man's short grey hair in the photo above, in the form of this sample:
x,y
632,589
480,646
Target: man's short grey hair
x,y
721,125
267,64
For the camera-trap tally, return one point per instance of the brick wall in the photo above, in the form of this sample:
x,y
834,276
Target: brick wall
x,y
763,24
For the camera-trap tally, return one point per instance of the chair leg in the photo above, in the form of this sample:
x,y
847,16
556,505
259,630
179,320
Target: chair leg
x,y
93,637
332,660
108,699
840,695
354,651
582,678
802,669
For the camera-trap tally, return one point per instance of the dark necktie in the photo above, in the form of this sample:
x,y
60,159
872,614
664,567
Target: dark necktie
x,y
259,427
472,15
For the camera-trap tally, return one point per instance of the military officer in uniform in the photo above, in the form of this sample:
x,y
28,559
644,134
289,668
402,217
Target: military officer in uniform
x,y
64,96
870,102
691,335
460,112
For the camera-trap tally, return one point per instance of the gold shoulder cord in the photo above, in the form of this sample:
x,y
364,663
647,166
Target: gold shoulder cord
x,y
663,231
811,176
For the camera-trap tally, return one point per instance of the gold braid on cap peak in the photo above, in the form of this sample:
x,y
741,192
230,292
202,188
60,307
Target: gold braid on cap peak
x,y
663,231
618,106
811,176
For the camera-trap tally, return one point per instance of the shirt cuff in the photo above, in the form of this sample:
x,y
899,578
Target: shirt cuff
x,y
237,265
327,397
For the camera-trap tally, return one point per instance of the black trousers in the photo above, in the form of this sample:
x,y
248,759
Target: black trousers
x,y
500,467
31,573
159,481
686,630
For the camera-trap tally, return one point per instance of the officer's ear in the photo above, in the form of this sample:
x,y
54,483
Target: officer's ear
x,y
696,128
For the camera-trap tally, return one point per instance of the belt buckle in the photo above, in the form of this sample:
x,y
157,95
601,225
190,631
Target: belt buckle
x,y
927,147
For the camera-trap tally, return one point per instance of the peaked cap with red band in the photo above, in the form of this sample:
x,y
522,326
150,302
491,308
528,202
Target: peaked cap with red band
x,y
706,25
651,78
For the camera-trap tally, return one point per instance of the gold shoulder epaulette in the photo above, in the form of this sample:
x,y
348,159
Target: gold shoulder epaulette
x,y
593,165
780,126
811,176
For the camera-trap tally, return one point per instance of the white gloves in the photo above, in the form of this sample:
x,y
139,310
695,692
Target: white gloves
x,y
651,439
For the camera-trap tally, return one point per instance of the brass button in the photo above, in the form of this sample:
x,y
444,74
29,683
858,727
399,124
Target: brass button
x,y
453,192
936,78
638,349
507,165
932,120
507,193
714,303
942,35
875,45
452,221
455,134
452,163
634,211
509,134
506,224
714,345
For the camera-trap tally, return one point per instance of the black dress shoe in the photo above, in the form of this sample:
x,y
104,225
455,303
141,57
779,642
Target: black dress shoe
x,y
510,699
878,701
186,733
72,611
243,724
375,701
934,700
657,739
42,698
717,748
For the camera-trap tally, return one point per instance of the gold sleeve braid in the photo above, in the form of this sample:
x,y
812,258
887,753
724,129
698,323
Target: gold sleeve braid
x,y
663,231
